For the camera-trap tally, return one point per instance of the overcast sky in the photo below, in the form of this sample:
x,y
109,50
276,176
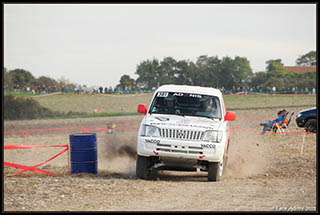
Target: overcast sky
x,y
95,44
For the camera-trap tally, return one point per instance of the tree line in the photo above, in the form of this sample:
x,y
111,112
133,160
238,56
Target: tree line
x,y
21,80
225,73
209,71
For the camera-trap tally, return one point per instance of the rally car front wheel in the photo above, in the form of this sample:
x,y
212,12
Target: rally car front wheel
x,y
214,171
143,169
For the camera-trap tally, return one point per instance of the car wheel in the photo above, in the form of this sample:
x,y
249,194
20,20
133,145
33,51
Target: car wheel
x,y
214,171
143,170
311,125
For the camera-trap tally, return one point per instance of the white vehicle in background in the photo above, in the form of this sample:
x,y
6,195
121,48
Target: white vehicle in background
x,y
185,128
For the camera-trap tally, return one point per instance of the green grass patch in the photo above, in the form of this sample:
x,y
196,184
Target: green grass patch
x,y
65,106
90,103
240,102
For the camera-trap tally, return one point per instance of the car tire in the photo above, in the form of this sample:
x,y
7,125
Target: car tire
x,y
143,170
311,125
214,169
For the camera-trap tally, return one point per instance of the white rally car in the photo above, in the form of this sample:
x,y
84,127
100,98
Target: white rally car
x,y
185,128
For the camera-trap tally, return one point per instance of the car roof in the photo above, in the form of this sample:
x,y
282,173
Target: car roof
x,y
190,89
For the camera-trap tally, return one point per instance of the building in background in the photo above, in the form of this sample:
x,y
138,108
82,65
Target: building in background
x,y
301,69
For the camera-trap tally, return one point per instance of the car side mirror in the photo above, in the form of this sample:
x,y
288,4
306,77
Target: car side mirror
x,y
142,108
230,116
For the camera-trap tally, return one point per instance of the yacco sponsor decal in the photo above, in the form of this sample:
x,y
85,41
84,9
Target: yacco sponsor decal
x,y
152,141
209,146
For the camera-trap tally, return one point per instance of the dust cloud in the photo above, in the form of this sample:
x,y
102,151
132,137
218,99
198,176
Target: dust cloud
x,y
117,153
248,155
129,151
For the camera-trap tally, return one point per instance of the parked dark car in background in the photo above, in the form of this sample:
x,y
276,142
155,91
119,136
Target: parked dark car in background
x,y
308,119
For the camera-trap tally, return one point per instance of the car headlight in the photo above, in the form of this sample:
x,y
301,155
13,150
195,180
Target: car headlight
x,y
149,131
212,136
299,115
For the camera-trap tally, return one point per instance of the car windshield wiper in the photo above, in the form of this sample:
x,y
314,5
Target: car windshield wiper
x,y
179,113
209,117
215,117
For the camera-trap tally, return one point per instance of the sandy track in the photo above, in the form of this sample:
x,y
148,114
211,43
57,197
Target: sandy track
x,y
264,173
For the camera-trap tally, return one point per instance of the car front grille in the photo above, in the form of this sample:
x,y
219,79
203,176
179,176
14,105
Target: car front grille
x,y
181,134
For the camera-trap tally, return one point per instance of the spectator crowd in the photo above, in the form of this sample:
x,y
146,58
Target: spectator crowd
x,y
42,89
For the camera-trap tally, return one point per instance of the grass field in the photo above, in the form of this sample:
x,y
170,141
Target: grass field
x,y
110,105
97,104
238,102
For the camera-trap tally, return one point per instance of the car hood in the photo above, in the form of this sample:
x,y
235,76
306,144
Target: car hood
x,y
183,122
308,110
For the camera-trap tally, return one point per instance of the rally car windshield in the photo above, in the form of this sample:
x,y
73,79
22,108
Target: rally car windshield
x,y
186,104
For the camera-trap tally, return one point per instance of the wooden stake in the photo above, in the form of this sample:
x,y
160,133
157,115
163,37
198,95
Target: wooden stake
x,y
26,134
303,137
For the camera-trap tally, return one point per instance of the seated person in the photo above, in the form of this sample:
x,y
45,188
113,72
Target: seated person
x,y
268,125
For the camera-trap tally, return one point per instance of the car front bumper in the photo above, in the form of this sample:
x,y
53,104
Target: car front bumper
x,y
160,147
300,121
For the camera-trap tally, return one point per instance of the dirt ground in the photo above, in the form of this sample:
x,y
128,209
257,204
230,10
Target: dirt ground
x,y
264,172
